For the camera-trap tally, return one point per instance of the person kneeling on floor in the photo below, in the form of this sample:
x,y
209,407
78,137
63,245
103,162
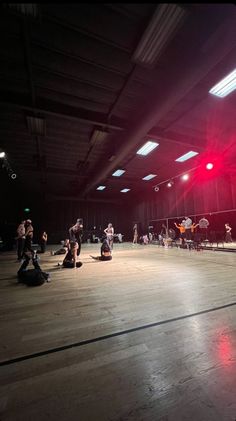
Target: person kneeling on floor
x,y
32,277
105,252
70,260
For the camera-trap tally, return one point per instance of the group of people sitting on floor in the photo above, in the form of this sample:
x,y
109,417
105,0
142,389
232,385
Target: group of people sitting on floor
x,y
70,248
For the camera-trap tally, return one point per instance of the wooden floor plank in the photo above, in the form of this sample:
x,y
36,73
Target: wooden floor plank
x,y
179,370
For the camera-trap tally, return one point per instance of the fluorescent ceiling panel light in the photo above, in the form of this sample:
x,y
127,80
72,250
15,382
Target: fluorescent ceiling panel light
x,y
147,148
225,86
99,136
101,187
186,156
161,29
118,173
125,190
149,177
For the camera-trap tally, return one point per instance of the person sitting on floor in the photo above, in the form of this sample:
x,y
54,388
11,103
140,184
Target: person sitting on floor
x,y
70,260
32,277
105,252
63,250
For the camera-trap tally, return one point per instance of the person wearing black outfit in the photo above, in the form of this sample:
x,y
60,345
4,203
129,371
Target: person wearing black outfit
x,y
32,277
70,260
76,233
105,252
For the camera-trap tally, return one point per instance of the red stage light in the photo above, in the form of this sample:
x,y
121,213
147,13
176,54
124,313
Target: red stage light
x,y
209,166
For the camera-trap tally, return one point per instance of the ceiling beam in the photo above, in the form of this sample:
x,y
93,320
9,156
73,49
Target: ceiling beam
x,y
56,171
53,198
71,27
73,114
77,58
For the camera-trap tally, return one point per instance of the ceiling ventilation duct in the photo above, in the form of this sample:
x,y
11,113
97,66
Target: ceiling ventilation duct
x,y
36,125
161,29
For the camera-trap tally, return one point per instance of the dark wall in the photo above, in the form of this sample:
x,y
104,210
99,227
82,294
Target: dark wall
x,y
56,216
63,214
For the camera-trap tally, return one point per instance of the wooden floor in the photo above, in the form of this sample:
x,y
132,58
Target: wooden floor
x,y
149,336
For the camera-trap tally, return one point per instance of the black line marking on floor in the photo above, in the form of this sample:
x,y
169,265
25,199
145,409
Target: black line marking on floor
x,y
111,335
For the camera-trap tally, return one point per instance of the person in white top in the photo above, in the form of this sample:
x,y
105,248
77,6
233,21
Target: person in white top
x,y
187,224
135,231
203,226
109,231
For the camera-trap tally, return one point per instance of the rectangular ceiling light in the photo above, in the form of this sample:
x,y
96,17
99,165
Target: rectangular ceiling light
x,y
118,173
161,29
186,156
149,177
125,190
98,136
101,187
225,86
147,148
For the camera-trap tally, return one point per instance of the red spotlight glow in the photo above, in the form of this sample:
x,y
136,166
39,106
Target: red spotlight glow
x,y
209,166
185,177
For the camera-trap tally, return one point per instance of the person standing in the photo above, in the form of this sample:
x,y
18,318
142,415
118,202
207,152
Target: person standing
x,y
181,228
135,231
203,226
43,241
76,233
188,223
228,235
29,232
193,227
109,231
20,240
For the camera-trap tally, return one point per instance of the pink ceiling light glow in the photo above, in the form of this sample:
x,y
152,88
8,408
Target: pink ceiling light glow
x,y
209,166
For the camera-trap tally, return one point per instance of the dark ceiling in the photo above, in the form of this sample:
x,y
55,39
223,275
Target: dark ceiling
x,y
76,103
